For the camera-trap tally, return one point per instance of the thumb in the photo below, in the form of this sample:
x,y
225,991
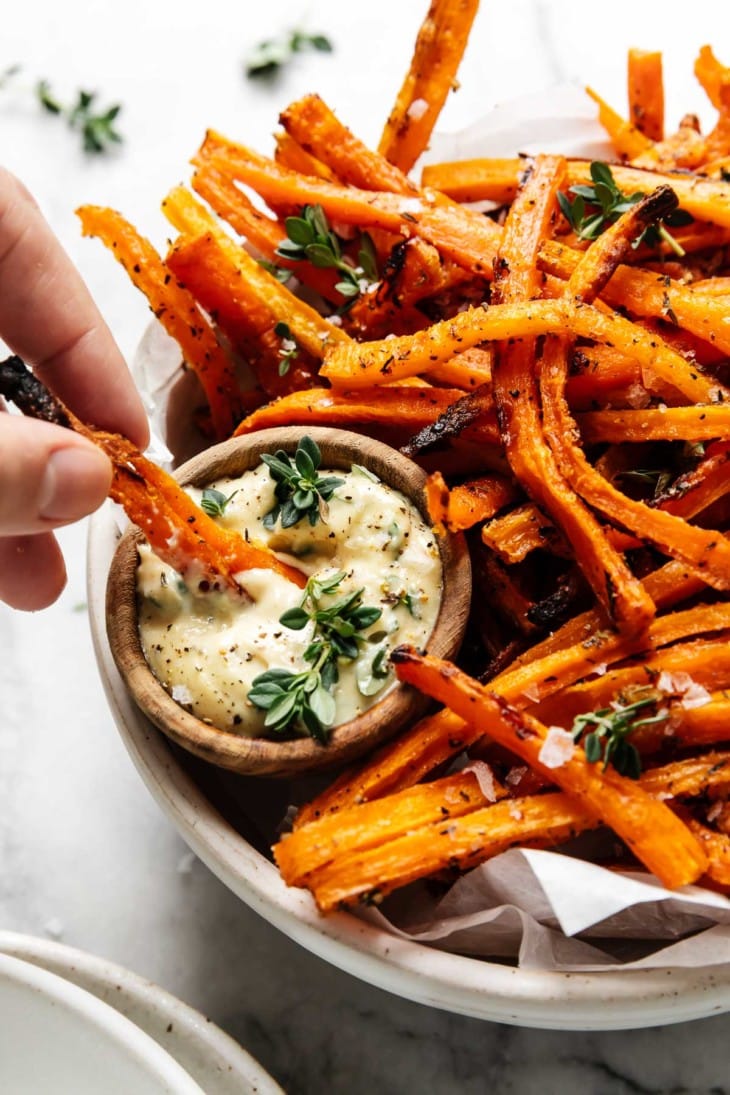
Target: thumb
x,y
49,476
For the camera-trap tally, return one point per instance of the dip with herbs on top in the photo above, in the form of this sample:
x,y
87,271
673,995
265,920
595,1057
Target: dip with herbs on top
x,y
284,661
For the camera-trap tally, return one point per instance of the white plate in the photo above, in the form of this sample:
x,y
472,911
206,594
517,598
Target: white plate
x,y
213,1060
56,1037
196,797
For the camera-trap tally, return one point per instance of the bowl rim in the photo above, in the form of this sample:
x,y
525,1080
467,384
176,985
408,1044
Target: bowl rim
x,y
262,756
611,999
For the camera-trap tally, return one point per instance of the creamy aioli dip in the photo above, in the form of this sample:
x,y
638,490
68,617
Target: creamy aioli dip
x,y
207,648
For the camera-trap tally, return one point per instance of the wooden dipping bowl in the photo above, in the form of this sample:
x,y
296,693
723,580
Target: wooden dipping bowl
x,y
265,756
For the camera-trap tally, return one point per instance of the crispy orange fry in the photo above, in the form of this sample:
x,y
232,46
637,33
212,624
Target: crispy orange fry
x,y
674,856
176,310
627,139
439,48
364,364
468,504
646,93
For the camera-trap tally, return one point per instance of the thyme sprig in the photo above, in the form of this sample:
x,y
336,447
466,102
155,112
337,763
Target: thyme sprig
x,y
591,210
288,349
304,702
310,237
214,502
605,734
269,57
96,126
300,491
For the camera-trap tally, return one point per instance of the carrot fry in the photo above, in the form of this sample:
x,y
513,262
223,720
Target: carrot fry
x,y
176,310
314,127
402,409
646,93
469,504
706,199
178,530
309,329
627,139
701,423
707,662
651,830
263,233
365,364
369,850
524,529
460,234
440,45
709,72
289,153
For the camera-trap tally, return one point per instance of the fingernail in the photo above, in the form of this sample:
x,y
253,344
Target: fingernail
x,y
75,481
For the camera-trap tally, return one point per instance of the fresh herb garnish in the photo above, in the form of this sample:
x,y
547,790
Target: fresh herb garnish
x,y
593,208
304,701
605,733
214,501
300,491
288,349
269,57
96,126
310,237
658,479
281,273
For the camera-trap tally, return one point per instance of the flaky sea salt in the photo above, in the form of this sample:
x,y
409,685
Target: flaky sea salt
x,y
417,109
695,696
557,748
485,779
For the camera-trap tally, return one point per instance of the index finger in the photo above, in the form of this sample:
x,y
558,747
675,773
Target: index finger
x,y
47,316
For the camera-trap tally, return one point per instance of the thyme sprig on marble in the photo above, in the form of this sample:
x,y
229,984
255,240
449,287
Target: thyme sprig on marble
x,y
269,57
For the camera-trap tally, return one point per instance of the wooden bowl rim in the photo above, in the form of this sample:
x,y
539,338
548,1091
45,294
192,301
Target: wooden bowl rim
x,y
264,756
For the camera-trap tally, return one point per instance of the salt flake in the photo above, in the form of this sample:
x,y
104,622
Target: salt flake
x,y
557,748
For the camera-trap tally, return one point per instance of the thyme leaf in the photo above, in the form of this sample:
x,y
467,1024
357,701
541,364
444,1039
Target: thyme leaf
x,y
605,734
300,491
591,210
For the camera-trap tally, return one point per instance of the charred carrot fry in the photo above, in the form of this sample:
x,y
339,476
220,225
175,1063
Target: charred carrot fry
x,y
403,409
176,310
178,530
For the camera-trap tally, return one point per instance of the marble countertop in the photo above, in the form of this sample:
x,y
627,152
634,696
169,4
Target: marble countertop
x,y
85,854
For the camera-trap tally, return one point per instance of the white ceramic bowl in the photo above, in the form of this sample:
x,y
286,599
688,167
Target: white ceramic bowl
x,y
217,1064
55,1037
199,801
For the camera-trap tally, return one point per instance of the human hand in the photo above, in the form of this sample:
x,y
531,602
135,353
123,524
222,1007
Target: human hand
x,y
50,476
